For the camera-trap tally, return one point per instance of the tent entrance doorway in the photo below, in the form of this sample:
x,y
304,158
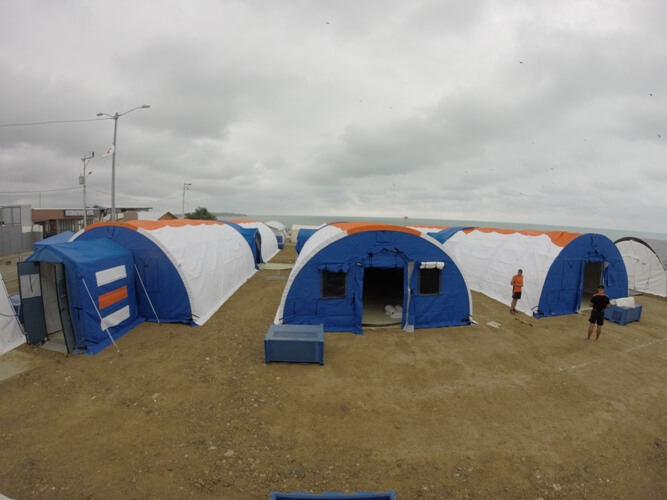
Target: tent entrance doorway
x,y
591,280
44,291
382,287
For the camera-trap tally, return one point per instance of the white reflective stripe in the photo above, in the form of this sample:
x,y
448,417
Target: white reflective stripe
x,y
110,275
114,319
432,265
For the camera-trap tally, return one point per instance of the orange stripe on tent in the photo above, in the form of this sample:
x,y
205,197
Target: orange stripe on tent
x,y
155,224
360,227
118,224
242,221
558,238
112,297
422,226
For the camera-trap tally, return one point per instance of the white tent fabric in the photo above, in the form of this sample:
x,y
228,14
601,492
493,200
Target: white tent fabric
x,y
646,271
488,261
11,333
212,259
202,252
278,228
269,240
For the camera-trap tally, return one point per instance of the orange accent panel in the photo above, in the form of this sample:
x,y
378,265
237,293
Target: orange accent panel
x,y
432,227
157,224
154,224
110,298
360,227
558,238
102,224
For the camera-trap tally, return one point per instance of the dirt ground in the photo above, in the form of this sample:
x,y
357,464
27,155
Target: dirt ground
x,y
527,410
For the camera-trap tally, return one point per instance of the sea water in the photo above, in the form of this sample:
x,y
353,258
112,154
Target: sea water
x,y
316,220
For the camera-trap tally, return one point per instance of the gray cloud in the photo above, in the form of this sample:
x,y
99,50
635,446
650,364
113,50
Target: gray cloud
x,y
529,111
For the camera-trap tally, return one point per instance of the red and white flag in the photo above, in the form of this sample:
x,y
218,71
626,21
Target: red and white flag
x,y
108,152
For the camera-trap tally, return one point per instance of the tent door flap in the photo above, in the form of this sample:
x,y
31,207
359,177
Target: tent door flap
x,y
30,290
63,306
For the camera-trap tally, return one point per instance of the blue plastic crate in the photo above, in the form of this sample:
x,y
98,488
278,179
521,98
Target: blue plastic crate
x,y
623,315
295,344
362,495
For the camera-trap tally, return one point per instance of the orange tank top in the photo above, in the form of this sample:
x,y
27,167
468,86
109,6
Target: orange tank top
x,y
517,282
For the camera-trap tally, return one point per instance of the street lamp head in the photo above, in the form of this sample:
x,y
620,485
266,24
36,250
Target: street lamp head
x,y
145,106
100,114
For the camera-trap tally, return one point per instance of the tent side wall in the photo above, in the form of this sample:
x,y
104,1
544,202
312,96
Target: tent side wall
x,y
269,241
101,295
488,260
159,284
11,334
646,272
219,252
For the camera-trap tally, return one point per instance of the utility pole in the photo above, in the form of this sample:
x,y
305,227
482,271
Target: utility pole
x,y
82,180
186,186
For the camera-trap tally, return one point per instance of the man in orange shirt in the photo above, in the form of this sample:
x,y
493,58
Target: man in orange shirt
x,y
517,286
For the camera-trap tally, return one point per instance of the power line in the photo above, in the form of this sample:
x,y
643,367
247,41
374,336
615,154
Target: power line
x,y
51,122
38,191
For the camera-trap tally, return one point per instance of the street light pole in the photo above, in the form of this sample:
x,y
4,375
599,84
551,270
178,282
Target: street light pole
x,y
115,117
82,180
186,186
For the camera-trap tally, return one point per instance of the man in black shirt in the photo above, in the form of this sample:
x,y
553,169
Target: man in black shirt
x,y
599,302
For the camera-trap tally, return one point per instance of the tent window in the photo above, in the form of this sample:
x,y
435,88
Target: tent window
x,y
333,284
429,281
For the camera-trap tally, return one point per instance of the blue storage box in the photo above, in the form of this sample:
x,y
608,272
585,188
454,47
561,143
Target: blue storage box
x,y
295,344
623,315
281,243
362,495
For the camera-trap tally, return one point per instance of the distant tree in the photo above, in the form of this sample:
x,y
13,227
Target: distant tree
x,y
200,213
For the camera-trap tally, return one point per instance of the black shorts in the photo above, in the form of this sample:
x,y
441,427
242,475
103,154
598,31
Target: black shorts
x,y
516,295
597,317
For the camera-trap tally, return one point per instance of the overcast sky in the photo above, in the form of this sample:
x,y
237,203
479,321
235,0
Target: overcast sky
x,y
527,111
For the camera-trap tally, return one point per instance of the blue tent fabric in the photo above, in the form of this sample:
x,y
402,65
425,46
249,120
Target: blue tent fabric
x,y
155,272
56,238
445,234
333,495
355,253
251,235
302,236
562,293
83,261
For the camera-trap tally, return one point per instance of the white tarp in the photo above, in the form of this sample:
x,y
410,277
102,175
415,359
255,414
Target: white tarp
x,y
646,273
214,260
278,228
269,240
11,333
488,260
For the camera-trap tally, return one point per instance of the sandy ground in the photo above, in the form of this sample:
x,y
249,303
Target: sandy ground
x,y
527,410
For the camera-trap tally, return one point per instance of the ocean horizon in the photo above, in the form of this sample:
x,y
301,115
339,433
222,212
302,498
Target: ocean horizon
x,y
315,220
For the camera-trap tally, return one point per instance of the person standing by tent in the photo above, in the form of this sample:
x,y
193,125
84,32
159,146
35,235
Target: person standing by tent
x,y
599,302
517,286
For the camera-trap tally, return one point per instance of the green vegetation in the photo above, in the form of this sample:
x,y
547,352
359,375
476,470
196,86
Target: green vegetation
x,y
201,213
